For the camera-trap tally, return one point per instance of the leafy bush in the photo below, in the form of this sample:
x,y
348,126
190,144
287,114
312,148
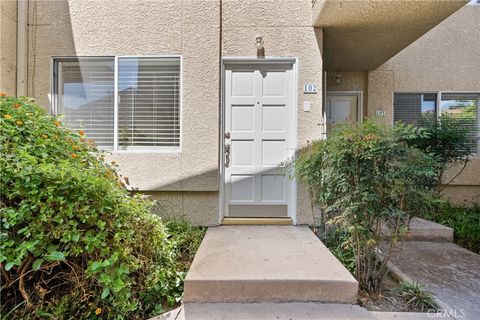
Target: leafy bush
x,y
366,178
464,221
416,296
447,140
339,241
74,243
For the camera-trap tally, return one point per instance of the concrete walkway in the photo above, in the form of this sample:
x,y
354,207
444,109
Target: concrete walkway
x,y
285,311
253,264
450,272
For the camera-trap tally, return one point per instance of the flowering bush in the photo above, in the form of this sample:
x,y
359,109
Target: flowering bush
x,y
74,243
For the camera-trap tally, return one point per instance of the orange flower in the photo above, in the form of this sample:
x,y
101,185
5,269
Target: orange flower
x,y
17,105
57,123
7,116
82,133
98,311
44,136
2,94
74,155
19,122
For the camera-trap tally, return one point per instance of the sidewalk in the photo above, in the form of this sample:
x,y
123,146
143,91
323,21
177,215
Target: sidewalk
x,y
449,271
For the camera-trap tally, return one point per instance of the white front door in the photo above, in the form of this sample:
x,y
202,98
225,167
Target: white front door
x,y
259,116
342,109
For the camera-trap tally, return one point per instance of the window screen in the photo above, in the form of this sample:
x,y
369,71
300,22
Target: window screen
x,y
85,94
148,103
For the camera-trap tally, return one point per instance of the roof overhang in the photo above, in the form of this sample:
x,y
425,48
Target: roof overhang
x,y
360,35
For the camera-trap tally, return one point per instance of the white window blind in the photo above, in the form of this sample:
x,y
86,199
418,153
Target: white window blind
x,y
462,110
148,103
85,94
414,108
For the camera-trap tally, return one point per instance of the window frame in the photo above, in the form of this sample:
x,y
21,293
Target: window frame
x,y
159,149
438,111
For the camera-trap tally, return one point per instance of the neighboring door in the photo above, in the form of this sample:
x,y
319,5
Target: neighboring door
x,y
259,116
342,109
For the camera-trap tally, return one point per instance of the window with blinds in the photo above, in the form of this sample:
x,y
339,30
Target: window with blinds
x,y
148,103
461,109
146,113
85,94
414,108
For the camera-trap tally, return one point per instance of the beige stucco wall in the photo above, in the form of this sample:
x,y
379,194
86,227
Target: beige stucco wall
x,y
444,59
463,189
188,179
8,46
351,81
113,28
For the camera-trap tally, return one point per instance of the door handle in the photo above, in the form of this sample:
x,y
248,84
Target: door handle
x,y
227,135
227,155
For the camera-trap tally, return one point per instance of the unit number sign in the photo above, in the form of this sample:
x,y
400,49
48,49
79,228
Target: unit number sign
x,y
309,88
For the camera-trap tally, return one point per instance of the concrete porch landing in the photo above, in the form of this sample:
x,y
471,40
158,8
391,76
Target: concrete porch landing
x,y
253,264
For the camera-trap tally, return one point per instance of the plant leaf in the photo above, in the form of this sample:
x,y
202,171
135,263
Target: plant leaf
x,y
37,264
55,256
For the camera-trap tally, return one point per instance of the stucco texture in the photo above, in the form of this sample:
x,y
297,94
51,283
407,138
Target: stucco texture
x,y
189,28
444,59
8,47
351,81
114,27
199,208
361,35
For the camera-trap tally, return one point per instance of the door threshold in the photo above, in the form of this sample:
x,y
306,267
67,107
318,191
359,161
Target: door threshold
x,y
257,221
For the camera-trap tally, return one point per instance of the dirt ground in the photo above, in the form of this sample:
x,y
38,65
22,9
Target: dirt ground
x,y
386,300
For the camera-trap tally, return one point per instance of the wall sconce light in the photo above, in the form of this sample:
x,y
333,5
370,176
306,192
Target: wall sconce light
x,y
337,78
259,45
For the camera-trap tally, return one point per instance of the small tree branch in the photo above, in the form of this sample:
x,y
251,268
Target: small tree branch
x,y
21,283
443,186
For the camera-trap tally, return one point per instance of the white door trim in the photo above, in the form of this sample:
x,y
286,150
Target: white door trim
x,y
292,204
359,95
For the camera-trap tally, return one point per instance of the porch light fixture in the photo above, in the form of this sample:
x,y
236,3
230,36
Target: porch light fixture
x,y
337,78
259,45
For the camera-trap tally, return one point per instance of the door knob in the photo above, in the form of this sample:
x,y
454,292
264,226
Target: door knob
x,y
227,135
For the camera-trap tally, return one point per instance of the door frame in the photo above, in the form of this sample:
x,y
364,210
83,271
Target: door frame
x,y
359,95
292,202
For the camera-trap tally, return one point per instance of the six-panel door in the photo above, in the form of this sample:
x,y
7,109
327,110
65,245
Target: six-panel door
x,y
258,127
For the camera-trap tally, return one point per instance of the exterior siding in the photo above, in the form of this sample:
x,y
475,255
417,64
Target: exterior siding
x,y
191,29
8,47
444,59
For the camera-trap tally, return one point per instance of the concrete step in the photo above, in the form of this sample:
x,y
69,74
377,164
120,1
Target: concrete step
x,y
253,264
424,230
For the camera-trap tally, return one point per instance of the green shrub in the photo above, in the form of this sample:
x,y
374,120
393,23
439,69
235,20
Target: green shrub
x,y
365,178
339,241
448,140
465,223
74,243
414,295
